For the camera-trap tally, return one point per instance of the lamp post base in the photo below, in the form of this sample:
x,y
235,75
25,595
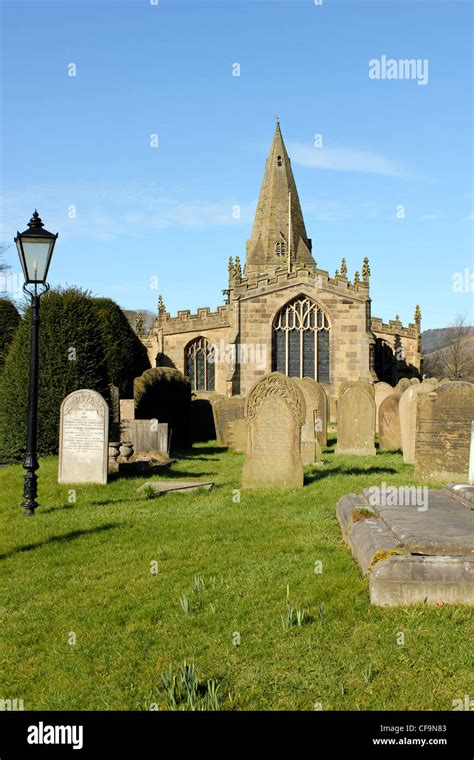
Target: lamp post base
x,y
30,488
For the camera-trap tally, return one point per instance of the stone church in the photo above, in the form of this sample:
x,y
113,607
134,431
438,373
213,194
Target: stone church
x,y
282,312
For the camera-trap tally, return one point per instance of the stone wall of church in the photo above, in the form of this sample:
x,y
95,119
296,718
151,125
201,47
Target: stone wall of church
x,y
348,344
404,342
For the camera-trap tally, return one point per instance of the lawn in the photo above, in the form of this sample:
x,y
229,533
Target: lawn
x,y
93,597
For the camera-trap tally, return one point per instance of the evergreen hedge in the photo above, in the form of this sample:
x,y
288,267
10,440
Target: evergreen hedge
x,y
123,350
164,394
76,334
9,321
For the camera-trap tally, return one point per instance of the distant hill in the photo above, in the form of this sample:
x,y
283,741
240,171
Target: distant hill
x,y
434,340
437,353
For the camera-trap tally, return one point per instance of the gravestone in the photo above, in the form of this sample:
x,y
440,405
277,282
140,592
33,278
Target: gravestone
x,y
310,447
321,415
127,409
443,433
83,438
275,411
414,381
382,390
226,410
149,435
389,424
356,421
237,434
402,385
114,429
407,411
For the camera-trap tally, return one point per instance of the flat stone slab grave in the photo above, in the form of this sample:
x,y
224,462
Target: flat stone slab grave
x,y
413,553
181,486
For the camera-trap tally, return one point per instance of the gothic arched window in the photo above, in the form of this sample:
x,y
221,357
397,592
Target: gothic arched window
x,y
300,340
280,248
200,365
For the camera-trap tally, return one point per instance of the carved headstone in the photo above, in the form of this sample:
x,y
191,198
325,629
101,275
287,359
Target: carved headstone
x,y
315,407
236,435
389,424
443,433
356,421
275,411
225,410
382,390
83,438
407,411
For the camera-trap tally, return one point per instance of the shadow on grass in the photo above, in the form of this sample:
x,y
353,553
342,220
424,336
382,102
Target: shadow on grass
x,y
59,539
197,451
158,474
319,474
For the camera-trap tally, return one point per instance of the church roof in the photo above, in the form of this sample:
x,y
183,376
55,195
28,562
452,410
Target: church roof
x,y
278,204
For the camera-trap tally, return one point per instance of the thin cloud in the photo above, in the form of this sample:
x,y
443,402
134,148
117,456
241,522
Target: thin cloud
x,y
108,211
346,160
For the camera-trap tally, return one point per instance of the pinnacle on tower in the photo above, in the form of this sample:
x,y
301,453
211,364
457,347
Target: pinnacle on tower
x,y
343,268
366,270
278,228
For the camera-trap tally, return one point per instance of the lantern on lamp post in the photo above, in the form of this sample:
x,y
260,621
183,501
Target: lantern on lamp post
x,y
35,249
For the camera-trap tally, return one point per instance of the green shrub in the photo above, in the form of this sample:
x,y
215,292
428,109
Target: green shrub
x,y
9,321
123,349
164,394
80,347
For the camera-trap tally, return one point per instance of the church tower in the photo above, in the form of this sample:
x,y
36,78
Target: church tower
x,y
278,237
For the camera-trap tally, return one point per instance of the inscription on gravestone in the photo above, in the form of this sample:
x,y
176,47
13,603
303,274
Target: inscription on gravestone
x,y
443,432
225,411
275,412
83,438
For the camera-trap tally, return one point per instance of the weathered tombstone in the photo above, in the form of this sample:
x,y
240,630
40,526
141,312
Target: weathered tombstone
x,y
149,435
382,390
275,411
225,410
127,409
443,433
414,381
356,421
236,435
310,448
114,395
389,424
83,438
321,410
402,385
407,411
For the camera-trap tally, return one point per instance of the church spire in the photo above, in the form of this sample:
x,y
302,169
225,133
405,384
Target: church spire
x,y
278,219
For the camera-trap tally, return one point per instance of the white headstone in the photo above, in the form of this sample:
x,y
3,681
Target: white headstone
x,y
83,438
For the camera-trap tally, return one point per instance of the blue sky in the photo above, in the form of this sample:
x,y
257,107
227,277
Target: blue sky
x,y
159,220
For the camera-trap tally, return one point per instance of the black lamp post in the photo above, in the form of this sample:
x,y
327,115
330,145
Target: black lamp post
x,y
35,249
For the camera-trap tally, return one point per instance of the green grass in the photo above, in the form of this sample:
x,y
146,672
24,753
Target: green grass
x,y
86,569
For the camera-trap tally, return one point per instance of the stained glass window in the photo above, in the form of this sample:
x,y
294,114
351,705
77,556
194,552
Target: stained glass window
x,y
200,364
301,341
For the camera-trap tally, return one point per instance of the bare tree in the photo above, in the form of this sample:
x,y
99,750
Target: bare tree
x,y
456,360
4,267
